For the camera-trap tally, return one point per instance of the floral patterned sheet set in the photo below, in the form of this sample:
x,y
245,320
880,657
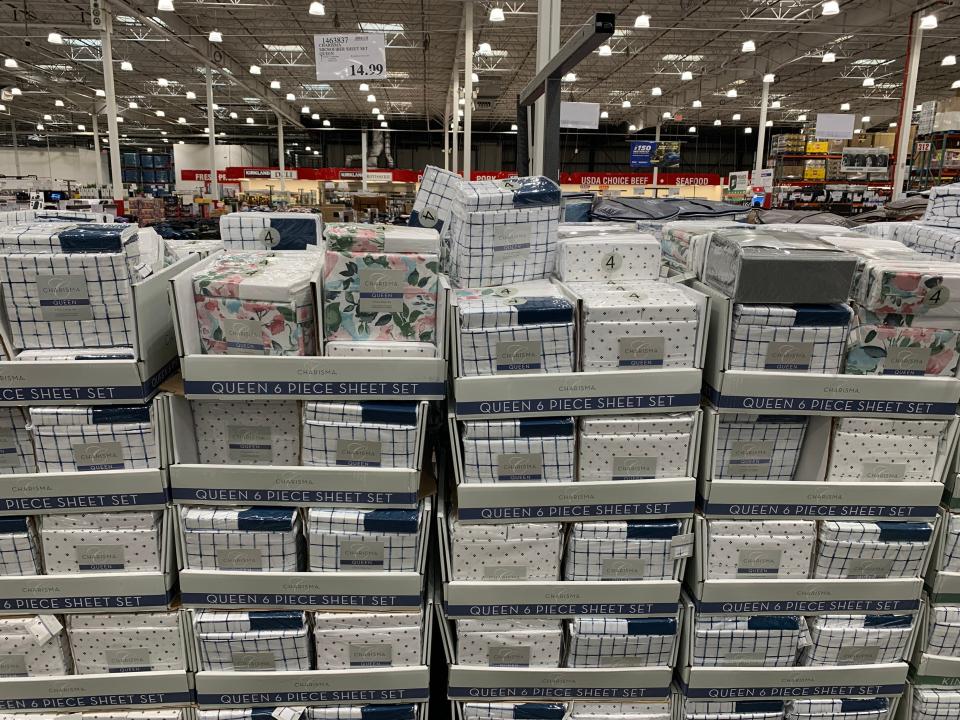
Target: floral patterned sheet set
x,y
380,283
257,303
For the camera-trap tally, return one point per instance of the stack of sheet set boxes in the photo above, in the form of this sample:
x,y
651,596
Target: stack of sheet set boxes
x,y
87,564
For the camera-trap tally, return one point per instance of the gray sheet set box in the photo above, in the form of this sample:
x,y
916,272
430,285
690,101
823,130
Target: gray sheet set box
x,y
753,266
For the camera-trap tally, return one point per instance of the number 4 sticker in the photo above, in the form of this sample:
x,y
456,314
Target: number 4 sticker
x,y
937,296
611,262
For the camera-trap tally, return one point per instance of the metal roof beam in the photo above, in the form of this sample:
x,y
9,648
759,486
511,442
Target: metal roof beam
x,y
192,40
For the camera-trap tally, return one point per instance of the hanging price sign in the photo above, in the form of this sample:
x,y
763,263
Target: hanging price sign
x,y
350,57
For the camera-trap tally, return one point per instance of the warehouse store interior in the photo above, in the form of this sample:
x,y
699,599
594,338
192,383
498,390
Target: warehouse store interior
x,y
479,360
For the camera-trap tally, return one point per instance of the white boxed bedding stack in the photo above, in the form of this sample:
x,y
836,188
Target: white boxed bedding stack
x,y
271,231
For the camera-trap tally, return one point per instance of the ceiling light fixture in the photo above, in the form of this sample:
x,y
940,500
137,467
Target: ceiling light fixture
x,y
605,51
160,113
732,93
496,14
844,107
215,36
126,65
928,22
748,46
181,121
55,38
291,97
736,116
717,123
949,60
955,85
604,115
769,78
381,116
748,131
315,116
831,7
632,128
48,118
625,104
869,82
316,152
513,128
656,92
383,124
308,148
375,111
570,77
686,75
865,119
249,121
98,93
642,21
305,110
364,87
58,103
474,77
81,128
775,105
691,129
802,117
132,105
697,104
829,57
18,91
165,5
254,69
163,82
326,123
893,125
484,49
191,95
39,126
667,115
234,116
317,8
10,63
274,84
371,98
461,102
769,123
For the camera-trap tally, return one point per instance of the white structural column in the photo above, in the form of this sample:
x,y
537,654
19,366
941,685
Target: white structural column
x,y
212,139
456,119
656,168
467,89
548,44
906,106
363,157
446,135
96,150
106,49
281,158
762,129
16,148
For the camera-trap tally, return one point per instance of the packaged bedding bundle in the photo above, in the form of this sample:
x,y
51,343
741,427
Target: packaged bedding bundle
x,y
33,646
865,550
908,318
69,285
636,447
503,231
434,200
879,450
930,703
943,209
16,447
732,709
364,434
943,635
683,244
126,642
380,283
622,550
247,432
509,642
608,257
758,447
256,641
19,546
839,709
348,540
649,710
518,329
749,641
600,642
759,549
270,231
637,325
258,303
233,539
857,639
513,711
111,437
367,639
514,551
113,542
523,450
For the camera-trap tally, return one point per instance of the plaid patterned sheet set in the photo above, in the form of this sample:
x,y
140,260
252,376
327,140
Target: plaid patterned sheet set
x,y
380,639
101,542
380,282
683,244
845,709
935,703
16,448
635,448
872,549
639,325
781,338
70,286
759,549
257,303
943,636
524,450
936,242
621,550
615,642
756,265
363,540
742,641
620,711
386,348
513,711
608,258
758,447
732,709
943,209
255,641
857,639
526,328
365,434
247,432
515,551
434,201
876,450
33,646
115,437
19,547
503,231
176,250
241,538
126,642
509,642
270,231
950,562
